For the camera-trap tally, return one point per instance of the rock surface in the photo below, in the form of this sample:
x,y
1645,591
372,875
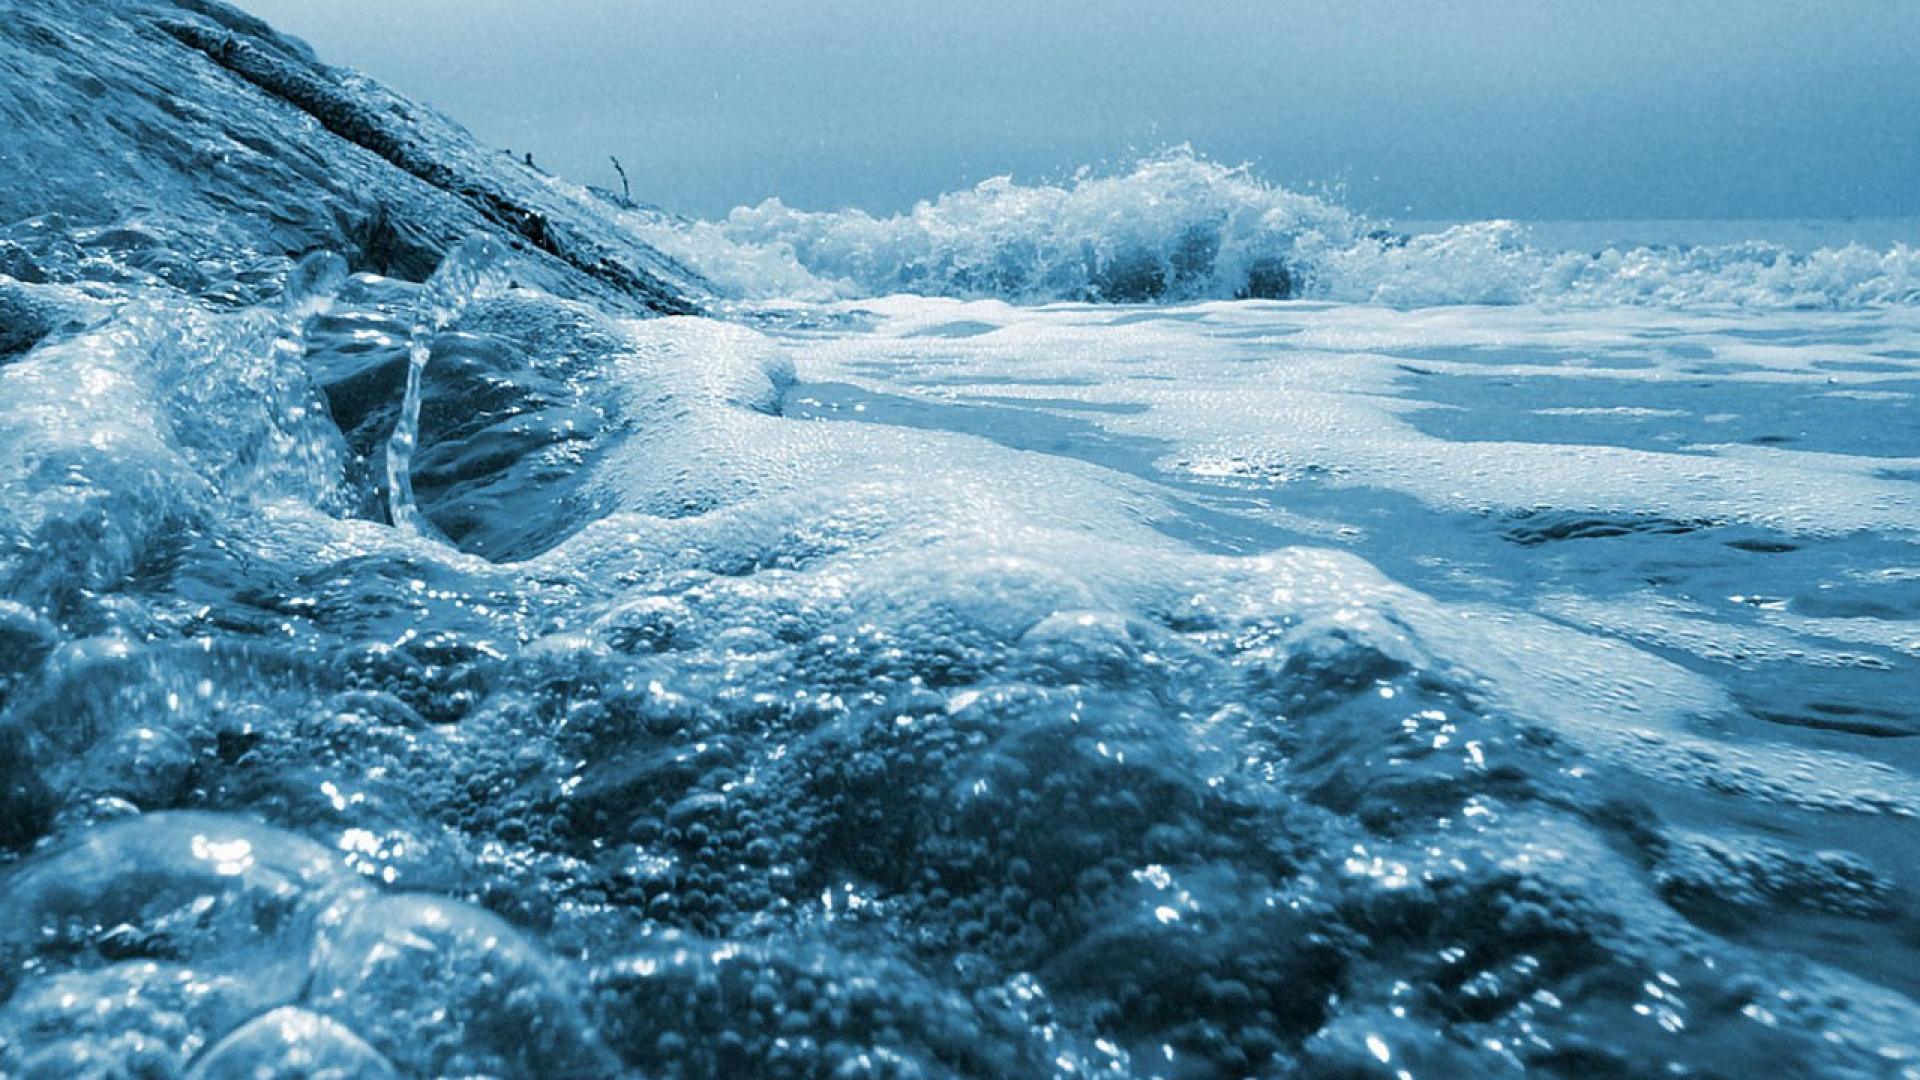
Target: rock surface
x,y
133,120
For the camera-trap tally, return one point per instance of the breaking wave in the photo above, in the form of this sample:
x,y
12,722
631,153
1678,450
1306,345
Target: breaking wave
x,y
1179,227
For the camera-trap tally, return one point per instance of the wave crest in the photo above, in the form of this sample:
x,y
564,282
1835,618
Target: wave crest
x,y
1179,227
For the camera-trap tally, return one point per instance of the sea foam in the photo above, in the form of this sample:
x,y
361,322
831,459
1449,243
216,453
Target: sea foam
x,y
1179,227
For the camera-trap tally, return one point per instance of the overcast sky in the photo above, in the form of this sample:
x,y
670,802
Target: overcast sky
x,y
1416,108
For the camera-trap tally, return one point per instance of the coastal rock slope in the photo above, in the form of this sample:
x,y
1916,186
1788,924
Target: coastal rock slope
x,y
126,121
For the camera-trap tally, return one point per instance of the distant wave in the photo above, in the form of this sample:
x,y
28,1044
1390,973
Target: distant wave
x,y
1179,227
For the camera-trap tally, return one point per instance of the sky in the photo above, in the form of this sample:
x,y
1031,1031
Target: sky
x,y
1529,109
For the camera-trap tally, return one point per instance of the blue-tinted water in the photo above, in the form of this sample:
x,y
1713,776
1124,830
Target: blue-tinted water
x,y
1245,686
1497,656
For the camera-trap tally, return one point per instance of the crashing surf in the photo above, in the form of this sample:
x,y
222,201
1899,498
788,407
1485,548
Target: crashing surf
x,y
470,673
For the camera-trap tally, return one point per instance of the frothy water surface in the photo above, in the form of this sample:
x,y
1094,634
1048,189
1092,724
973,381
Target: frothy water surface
x,y
927,686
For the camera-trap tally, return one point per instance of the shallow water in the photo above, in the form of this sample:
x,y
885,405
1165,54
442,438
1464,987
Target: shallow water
x,y
1389,652
919,686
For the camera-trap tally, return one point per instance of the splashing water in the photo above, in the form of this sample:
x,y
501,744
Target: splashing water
x,y
470,272
455,679
1178,227
951,688
311,287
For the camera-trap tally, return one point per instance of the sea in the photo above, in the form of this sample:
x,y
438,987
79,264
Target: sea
x,y
1158,624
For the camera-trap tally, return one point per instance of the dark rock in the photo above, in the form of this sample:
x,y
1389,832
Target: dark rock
x,y
230,138
1193,257
507,423
1130,276
378,243
1268,279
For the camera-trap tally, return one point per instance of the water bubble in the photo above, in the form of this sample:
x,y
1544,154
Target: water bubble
x,y
291,1043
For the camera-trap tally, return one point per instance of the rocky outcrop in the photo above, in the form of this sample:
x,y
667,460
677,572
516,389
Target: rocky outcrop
x,y
189,119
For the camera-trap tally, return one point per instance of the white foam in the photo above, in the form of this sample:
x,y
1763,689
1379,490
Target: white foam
x,y
1180,227
1218,387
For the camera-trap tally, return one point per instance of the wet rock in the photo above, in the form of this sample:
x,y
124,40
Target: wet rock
x,y
514,411
377,242
249,142
1193,257
1129,276
1269,279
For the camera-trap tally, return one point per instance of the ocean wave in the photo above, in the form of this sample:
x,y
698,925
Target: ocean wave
x,y
412,672
1179,227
